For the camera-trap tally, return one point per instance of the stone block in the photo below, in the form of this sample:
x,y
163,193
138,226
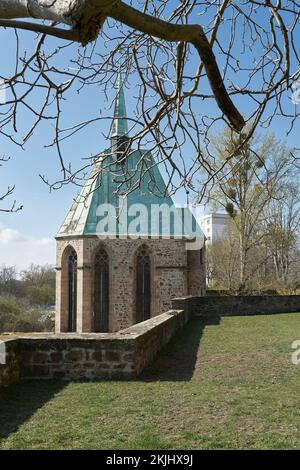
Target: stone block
x,y
59,374
97,356
56,356
40,371
74,355
112,356
39,357
128,357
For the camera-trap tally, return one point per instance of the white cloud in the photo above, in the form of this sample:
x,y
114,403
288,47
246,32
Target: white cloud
x,y
9,235
21,251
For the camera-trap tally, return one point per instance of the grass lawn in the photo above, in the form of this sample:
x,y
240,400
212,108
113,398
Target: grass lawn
x,y
230,385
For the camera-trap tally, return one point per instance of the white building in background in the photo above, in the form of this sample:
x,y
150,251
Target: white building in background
x,y
214,226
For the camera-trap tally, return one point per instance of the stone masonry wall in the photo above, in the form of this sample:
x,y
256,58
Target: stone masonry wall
x,y
196,272
238,305
159,332
76,357
10,371
171,274
121,355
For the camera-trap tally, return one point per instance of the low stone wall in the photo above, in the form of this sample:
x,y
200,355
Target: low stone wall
x,y
238,305
160,330
9,353
75,358
121,355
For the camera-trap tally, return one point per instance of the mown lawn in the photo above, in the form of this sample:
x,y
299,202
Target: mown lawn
x,y
230,385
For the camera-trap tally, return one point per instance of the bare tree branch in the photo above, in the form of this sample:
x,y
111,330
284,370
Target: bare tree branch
x,y
183,73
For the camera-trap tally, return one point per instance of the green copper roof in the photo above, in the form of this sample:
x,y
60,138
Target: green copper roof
x,y
119,126
126,198
105,207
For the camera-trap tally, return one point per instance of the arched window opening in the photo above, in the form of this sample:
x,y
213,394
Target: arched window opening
x,y
101,297
72,290
143,286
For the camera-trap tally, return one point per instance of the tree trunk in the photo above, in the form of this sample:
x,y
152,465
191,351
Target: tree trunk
x,y
242,263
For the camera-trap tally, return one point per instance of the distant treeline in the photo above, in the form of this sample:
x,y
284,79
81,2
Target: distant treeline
x,y
27,298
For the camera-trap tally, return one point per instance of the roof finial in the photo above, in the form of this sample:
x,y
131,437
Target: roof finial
x,y
119,126
187,197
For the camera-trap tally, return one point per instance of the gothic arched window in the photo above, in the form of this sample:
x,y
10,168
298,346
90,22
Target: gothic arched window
x,y
72,291
101,292
143,285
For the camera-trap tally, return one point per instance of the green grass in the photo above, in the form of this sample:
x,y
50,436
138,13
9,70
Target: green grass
x,y
230,385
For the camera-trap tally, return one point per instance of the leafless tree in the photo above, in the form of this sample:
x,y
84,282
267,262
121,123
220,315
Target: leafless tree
x,y
282,225
195,64
8,279
255,175
13,207
223,260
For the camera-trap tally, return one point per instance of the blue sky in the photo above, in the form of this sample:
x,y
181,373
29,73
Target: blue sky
x,y
27,236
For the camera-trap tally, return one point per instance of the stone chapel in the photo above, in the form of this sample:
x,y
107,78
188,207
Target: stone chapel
x,y
109,277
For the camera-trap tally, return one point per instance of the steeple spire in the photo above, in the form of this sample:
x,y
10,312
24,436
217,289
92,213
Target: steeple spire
x,y
119,127
119,132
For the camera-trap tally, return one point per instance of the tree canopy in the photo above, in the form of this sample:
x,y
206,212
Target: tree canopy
x,y
194,65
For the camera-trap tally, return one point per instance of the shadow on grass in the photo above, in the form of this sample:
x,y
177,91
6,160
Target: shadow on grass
x,y
19,402
177,360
